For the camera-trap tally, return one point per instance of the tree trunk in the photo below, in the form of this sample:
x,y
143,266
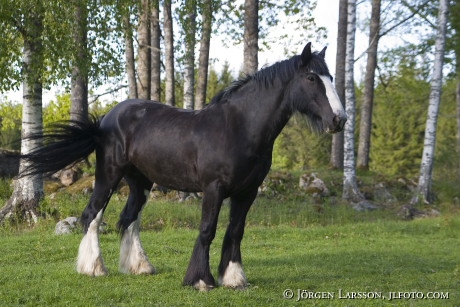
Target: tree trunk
x,y
79,79
365,126
251,36
423,191
337,139
203,62
143,68
189,59
129,55
170,98
350,186
28,190
458,122
155,87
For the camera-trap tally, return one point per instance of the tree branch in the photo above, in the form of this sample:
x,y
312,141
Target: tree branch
x,y
94,98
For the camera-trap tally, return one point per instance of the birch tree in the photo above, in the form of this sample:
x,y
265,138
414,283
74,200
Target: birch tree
x,y
251,36
368,99
189,24
155,33
337,138
129,52
170,98
143,51
79,79
350,186
207,8
423,191
28,190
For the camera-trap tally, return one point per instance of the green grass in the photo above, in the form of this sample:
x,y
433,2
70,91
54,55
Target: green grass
x,y
287,245
291,242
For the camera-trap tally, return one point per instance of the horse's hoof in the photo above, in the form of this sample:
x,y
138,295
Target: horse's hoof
x,y
202,286
145,268
234,277
142,268
95,269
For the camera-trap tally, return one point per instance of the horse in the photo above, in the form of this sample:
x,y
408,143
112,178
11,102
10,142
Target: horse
x,y
223,150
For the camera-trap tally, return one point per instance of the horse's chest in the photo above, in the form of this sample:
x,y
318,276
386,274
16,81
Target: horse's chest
x,y
252,172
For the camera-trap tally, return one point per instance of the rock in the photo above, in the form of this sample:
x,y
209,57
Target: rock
x,y
364,205
311,184
66,226
382,195
69,176
409,212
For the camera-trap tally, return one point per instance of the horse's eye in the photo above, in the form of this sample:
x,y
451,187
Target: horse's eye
x,y
311,78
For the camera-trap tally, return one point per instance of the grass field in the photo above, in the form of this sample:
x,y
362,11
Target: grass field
x,y
329,257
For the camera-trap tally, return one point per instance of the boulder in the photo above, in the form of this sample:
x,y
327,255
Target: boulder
x,y
364,205
69,176
313,185
66,226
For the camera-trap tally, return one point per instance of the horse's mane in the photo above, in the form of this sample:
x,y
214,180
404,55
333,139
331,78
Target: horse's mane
x,y
283,70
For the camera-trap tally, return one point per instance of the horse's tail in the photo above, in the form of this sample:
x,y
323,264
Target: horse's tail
x,y
64,144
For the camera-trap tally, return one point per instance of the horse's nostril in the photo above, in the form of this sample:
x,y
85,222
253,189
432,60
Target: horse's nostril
x,y
339,122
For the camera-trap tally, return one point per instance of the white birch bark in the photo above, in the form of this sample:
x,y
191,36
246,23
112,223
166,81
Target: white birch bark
x,y
170,98
350,186
251,36
28,190
155,32
144,60
189,63
129,57
423,191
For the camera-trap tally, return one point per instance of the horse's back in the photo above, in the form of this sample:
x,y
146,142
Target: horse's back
x,y
184,149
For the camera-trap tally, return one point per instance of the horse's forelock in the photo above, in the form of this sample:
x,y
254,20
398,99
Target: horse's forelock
x,y
318,65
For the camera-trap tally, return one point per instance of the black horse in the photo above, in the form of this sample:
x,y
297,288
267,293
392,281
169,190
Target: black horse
x,y
223,150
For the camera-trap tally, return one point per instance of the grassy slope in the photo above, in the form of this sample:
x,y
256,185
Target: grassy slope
x,y
341,249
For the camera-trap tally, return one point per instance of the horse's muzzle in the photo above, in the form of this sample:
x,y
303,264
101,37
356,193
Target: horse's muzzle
x,y
338,123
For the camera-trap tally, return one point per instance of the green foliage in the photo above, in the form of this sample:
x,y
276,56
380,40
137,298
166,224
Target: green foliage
x,y
296,17
399,123
446,156
10,125
218,82
58,110
297,147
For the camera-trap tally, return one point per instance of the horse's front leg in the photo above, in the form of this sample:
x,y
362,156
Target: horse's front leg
x,y
198,273
231,272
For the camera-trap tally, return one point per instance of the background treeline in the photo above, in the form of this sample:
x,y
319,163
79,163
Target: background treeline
x,y
159,50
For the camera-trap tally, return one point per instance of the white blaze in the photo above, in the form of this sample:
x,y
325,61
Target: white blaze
x,y
334,101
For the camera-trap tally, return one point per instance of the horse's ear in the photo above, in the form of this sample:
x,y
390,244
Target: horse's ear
x,y
306,54
323,52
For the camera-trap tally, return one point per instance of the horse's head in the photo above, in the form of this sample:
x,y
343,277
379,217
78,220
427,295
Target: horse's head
x,y
314,95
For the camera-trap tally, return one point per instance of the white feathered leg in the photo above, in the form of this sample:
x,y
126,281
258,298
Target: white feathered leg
x,y
133,259
234,276
89,261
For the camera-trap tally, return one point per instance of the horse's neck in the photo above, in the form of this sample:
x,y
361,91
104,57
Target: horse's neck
x,y
264,111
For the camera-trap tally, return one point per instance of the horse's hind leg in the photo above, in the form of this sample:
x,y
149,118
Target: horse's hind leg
x,y
231,272
132,256
89,261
